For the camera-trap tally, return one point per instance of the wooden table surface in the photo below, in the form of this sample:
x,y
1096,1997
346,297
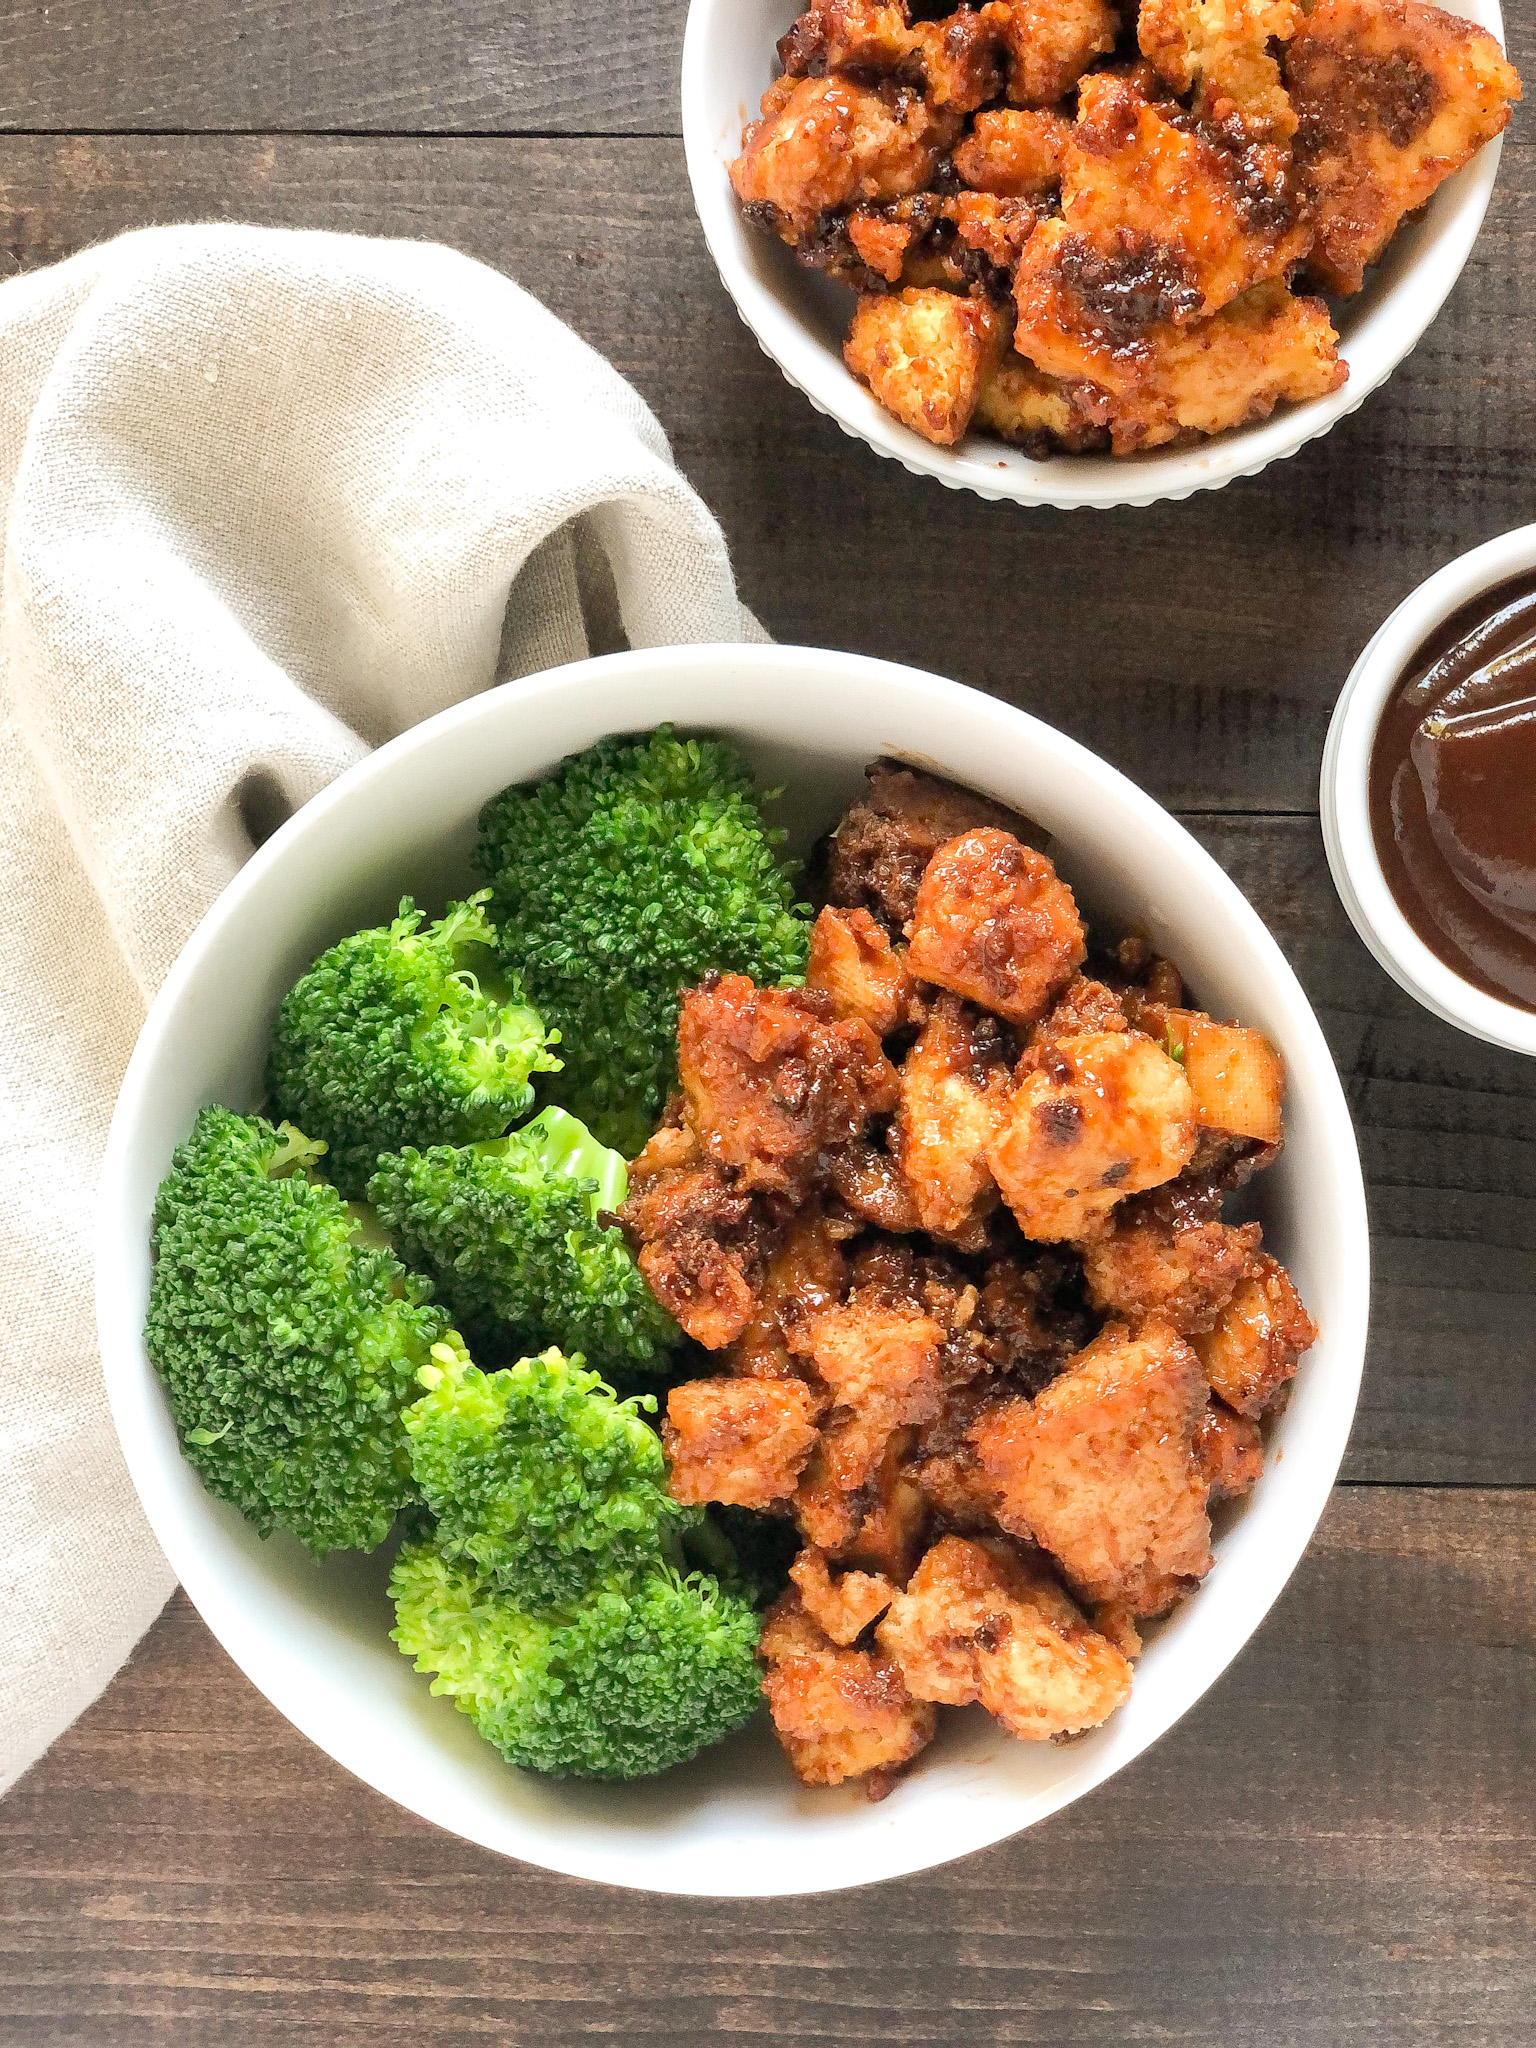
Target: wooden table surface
x,y
1337,1845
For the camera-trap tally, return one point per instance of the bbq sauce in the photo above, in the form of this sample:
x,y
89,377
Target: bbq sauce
x,y
1453,792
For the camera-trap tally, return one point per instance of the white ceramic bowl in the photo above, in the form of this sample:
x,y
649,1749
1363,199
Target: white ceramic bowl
x,y
801,319
314,1637
1345,795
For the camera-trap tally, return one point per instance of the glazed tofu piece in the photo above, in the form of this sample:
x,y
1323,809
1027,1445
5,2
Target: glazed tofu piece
x,y
831,143
806,1273
1392,96
1104,1115
1220,50
839,1713
1145,1266
853,961
977,1623
925,354
1050,44
1223,220
1013,153
1258,1340
1237,1076
697,1241
772,1079
870,1183
1266,347
995,923
1022,405
882,1364
882,846
1101,1468
739,1441
964,59
842,1607
998,228
1230,1451
955,1084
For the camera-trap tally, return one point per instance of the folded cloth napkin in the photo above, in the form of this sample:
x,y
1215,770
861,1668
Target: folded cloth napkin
x,y
268,498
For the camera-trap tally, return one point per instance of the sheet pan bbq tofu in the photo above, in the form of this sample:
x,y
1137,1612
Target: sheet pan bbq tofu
x,y
950,1222
1073,252
1392,96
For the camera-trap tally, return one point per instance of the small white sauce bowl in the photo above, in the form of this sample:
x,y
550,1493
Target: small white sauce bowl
x,y
801,319
1345,795
315,1638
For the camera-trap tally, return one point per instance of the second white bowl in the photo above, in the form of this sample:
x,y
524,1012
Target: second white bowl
x,y
801,319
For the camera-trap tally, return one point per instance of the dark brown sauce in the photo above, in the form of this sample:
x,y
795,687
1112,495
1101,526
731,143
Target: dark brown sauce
x,y
1453,792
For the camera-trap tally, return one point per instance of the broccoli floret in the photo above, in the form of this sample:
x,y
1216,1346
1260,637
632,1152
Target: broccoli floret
x,y
402,1036
509,1233
622,1685
619,881
539,1477
287,1349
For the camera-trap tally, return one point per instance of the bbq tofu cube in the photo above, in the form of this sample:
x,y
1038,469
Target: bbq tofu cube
x,y
979,1623
839,1713
1103,1116
1258,1339
995,923
1102,1468
739,1441
925,354
1392,96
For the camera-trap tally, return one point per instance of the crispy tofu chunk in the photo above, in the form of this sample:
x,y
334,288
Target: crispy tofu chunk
x,y
1147,1266
1103,1116
1257,1342
883,845
697,1241
924,354
955,1084
1227,218
806,1274
1392,97
978,1623
1229,1449
1050,44
999,228
1220,51
1040,414
1013,153
994,922
839,1713
772,1078
1237,1076
963,59
1084,1005
844,1607
883,1366
1101,1468
870,1183
738,1441
832,143
853,960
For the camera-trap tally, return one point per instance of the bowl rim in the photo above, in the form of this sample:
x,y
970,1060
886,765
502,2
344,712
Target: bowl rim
x,y
135,1397
1344,795
991,469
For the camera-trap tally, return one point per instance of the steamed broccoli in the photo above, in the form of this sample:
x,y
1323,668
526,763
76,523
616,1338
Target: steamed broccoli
x,y
625,1683
509,1233
749,1552
287,1349
539,1477
393,1037
620,880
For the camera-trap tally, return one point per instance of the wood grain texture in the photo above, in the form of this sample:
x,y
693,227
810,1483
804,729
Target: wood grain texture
x,y
460,66
1330,1848
1198,645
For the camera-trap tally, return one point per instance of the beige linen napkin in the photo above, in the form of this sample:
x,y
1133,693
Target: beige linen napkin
x,y
267,499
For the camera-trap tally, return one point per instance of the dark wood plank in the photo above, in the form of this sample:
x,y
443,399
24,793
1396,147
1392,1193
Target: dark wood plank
x,y
1199,645
342,65
1338,1844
